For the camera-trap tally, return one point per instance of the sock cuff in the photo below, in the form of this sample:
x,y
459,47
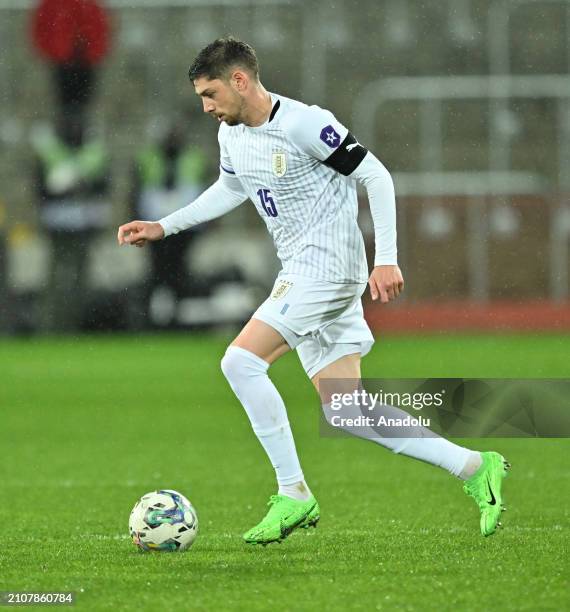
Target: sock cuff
x,y
251,357
290,480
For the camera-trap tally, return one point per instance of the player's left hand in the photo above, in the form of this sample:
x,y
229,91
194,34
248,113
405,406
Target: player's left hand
x,y
386,282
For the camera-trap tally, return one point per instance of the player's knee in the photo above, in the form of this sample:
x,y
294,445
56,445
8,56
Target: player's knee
x,y
230,365
238,364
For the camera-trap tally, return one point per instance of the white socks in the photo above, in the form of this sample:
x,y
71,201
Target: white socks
x,y
247,375
473,464
420,443
299,491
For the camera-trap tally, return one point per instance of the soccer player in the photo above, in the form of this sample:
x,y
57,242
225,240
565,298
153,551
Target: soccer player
x,y
299,166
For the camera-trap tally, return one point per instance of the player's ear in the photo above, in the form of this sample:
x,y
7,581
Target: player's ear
x,y
239,80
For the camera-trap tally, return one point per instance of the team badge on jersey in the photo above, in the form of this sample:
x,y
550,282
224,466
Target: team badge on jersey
x,y
330,136
279,163
281,288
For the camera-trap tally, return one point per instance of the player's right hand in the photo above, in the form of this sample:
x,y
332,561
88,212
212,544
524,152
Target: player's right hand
x,y
139,232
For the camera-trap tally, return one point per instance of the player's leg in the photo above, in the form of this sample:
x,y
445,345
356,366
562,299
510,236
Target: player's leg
x,y
417,442
483,472
295,309
245,366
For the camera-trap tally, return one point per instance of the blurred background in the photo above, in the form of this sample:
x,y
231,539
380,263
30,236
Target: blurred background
x,y
467,102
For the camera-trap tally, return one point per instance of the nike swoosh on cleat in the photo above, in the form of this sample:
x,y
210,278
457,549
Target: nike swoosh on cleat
x,y
492,501
285,531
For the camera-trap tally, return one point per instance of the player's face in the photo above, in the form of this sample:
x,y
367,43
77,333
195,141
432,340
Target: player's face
x,y
220,100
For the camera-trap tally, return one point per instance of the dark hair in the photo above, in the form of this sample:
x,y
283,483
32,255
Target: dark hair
x,y
216,59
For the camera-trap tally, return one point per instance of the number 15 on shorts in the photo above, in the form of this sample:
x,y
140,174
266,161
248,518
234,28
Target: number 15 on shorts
x,y
267,202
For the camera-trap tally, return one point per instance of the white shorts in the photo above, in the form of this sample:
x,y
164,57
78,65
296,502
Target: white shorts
x,y
323,321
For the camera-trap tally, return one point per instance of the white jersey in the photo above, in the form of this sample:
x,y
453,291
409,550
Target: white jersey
x,y
295,171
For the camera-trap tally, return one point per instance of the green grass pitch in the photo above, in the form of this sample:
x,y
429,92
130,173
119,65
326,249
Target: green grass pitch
x,y
89,425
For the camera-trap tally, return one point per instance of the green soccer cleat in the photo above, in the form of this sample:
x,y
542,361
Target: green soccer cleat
x,y
285,515
485,488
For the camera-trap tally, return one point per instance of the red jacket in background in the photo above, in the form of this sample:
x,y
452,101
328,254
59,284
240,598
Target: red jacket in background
x,y
71,31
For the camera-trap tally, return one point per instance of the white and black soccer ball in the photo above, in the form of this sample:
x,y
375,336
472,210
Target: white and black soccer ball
x,y
163,520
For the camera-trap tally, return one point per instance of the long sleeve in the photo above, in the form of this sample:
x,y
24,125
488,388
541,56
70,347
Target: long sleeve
x,y
374,176
221,197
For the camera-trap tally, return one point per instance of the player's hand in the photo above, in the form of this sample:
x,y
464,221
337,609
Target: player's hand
x,y
386,283
139,232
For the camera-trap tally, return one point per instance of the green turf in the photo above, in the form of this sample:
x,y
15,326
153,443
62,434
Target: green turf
x,y
87,426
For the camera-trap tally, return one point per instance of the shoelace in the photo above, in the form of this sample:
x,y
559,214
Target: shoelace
x,y
273,502
274,499
473,489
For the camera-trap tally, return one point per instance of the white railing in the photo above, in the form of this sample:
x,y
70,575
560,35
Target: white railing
x,y
431,93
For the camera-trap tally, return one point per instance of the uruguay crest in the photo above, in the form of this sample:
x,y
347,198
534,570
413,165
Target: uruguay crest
x,y
279,163
280,289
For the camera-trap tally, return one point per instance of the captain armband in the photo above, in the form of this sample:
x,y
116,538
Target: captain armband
x,y
347,157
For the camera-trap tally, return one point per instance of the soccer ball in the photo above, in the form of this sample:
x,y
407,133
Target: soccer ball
x,y
163,520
